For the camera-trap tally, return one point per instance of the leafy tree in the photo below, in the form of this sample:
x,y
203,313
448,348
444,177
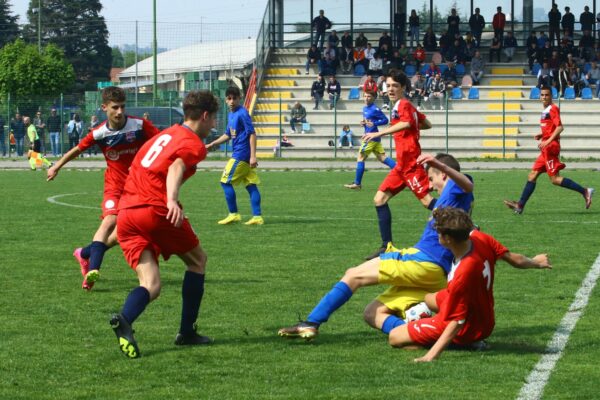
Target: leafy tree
x,y
78,28
129,57
9,30
26,73
117,58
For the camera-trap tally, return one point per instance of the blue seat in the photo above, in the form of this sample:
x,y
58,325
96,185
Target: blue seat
x,y
354,94
443,68
473,93
536,68
569,93
456,94
359,70
424,68
586,67
554,93
586,94
410,70
535,93
460,69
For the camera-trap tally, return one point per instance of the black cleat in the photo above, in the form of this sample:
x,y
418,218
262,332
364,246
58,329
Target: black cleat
x,y
124,333
192,339
376,253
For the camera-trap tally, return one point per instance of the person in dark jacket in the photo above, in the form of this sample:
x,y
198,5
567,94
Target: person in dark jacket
x,y
554,18
568,22
53,126
477,23
17,127
320,24
317,91
586,19
313,56
334,91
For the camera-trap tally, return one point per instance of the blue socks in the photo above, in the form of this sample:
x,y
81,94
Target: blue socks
x,y
431,204
97,250
337,296
569,184
230,197
85,251
192,290
390,323
527,192
360,171
389,162
254,199
135,304
384,216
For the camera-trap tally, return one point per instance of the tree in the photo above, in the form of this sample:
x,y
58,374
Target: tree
x,y
78,28
9,30
117,58
26,73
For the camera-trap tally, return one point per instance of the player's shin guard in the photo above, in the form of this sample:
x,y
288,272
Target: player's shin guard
x,y
230,197
97,250
384,216
569,184
360,171
135,304
337,297
389,162
390,323
86,251
527,192
192,291
254,199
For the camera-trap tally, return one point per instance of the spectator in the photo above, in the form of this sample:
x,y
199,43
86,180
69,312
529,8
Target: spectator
x,y
564,50
469,38
12,142
317,91
346,40
361,41
369,55
346,133
554,18
146,117
592,77
533,55
568,22
586,19
347,59
385,39
320,24
510,45
413,24
329,61
74,130
403,54
586,46
399,27
359,56
453,23
395,62
563,80
2,137
383,92
455,53
554,63
542,39
418,91
546,50
572,67
545,76
449,76
495,48
477,23
40,127
530,39
444,42
297,115
285,142
94,123
17,127
385,53
419,56
53,125
430,73
370,85
437,91
477,67
334,40
430,40
468,52
334,90
313,57
499,22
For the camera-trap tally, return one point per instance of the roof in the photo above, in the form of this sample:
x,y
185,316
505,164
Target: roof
x,y
221,55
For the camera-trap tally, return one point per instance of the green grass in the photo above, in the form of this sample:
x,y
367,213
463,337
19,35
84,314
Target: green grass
x,y
55,341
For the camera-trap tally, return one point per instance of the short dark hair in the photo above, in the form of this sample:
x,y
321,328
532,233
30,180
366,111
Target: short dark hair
x,y
233,91
398,76
448,160
197,102
454,222
371,92
113,93
546,87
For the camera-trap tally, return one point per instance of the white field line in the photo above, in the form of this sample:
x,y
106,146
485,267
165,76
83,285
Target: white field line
x,y
538,378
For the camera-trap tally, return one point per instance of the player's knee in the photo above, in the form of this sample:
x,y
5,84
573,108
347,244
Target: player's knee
x,y
532,176
153,289
380,199
352,278
198,264
556,180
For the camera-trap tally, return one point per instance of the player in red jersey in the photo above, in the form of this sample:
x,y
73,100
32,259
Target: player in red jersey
x,y
119,138
151,220
549,159
465,309
405,126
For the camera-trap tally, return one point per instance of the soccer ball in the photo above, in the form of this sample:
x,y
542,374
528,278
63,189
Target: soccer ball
x,y
417,312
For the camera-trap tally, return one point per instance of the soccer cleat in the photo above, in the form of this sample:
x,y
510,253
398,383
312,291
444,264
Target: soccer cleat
x,y
417,312
192,339
256,220
515,206
353,186
127,343
232,217
84,266
90,278
303,330
589,192
375,254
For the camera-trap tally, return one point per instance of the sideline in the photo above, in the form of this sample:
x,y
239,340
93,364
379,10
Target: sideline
x,y
539,376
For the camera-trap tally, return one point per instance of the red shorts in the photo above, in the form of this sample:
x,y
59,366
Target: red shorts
x,y
415,178
113,189
147,227
549,160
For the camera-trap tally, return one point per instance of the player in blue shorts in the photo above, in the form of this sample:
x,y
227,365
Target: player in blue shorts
x,y
411,272
372,118
241,168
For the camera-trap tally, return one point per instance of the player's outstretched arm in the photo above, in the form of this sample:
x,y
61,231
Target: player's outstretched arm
x,y
53,170
174,182
387,131
443,341
460,178
541,261
425,124
221,139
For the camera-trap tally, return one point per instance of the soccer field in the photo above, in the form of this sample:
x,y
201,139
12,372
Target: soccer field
x,y
56,343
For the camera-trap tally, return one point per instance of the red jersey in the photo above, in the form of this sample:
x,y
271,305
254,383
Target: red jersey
x,y
419,55
147,180
408,148
550,120
119,147
469,297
